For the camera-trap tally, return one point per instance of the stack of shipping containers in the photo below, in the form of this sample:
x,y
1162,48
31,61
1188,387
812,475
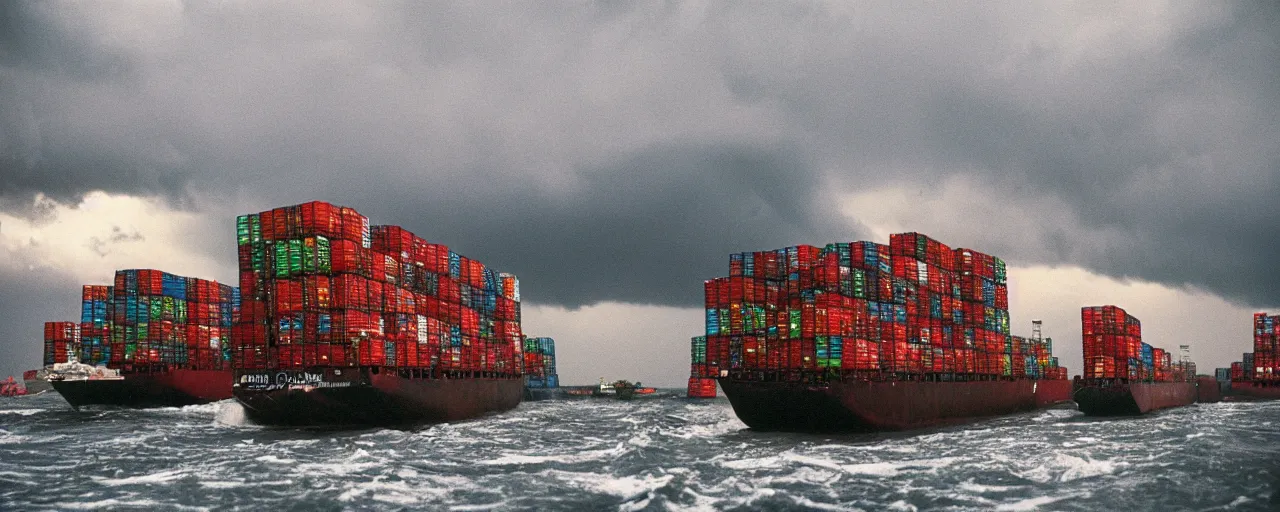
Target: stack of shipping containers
x,y
95,324
913,308
1113,349
59,339
323,288
540,363
157,319
700,385
1261,364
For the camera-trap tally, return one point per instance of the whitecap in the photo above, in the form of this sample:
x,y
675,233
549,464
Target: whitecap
x,y
112,504
338,468
219,484
872,468
812,461
567,458
162,477
756,463
1078,468
21,477
231,414
971,486
625,487
22,412
814,505
398,493
479,506
1031,503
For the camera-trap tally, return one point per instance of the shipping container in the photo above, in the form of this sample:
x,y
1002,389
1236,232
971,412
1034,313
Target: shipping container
x,y
156,319
540,363
61,340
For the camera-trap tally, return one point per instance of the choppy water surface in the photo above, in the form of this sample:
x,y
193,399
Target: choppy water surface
x,y
656,454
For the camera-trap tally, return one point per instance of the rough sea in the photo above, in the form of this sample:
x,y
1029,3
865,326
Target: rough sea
x,y
649,454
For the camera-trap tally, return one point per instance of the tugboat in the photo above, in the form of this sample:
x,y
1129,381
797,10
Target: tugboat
x,y
620,389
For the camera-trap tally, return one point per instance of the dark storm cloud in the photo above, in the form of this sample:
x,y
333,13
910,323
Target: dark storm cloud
x,y
649,228
1172,146
612,152
30,299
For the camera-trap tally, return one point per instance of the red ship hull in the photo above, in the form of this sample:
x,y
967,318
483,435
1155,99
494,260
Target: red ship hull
x,y
1130,399
1256,390
358,396
171,388
884,406
1208,390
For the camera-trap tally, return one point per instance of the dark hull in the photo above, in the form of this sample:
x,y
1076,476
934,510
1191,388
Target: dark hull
x,y
358,397
1208,390
174,388
536,394
1131,399
883,406
1256,390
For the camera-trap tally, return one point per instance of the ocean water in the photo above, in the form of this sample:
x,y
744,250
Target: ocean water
x,y
650,454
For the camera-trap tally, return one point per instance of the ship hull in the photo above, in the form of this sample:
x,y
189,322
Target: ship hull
x,y
1135,398
868,406
173,388
537,394
359,397
1255,390
37,386
1208,390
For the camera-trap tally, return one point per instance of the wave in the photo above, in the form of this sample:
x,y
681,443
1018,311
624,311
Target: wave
x,y
625,487
1032,503
163,477
565,458
22,412
1067,468
114,504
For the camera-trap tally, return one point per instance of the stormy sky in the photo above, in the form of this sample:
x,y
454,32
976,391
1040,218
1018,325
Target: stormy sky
x,y
612,155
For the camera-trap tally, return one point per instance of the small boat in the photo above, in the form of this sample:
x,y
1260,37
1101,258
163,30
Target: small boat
x,y
10,387
620,389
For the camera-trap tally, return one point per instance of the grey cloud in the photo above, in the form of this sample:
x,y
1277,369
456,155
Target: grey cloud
x,y
30,299
100,245
647,229
607,152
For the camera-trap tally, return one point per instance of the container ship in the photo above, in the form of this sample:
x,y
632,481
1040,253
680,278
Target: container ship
x,y
540,379
1257,375
343,323
153,339
866,337
1122,374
